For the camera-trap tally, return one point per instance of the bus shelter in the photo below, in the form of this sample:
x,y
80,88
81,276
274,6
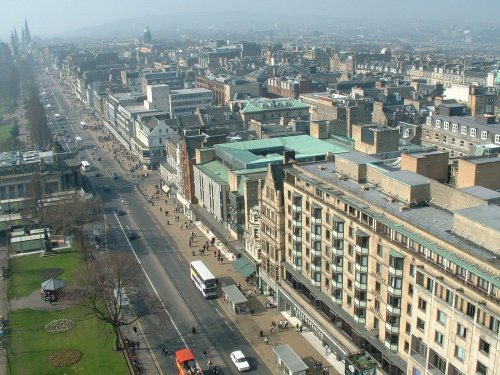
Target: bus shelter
x,y
233,297
288,362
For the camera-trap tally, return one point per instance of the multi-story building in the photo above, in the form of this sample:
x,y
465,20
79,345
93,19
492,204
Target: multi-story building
x,y
171,78
286,87
184,102
371,266
449,76
263,109
226,88
479,100
450,131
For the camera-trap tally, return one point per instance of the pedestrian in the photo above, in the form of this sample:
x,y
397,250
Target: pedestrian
x,y
135,330
266,340
137,343
193,330
297,328
209,364
164,351
205,354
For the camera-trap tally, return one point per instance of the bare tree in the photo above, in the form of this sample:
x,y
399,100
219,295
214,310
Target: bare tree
x,y
109,284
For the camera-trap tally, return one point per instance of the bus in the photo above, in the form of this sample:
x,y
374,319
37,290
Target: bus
x,y
79,143
85,166
204,280
83,125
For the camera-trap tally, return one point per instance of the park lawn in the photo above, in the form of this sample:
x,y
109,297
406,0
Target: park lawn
x,y
26,270
30,345
5,132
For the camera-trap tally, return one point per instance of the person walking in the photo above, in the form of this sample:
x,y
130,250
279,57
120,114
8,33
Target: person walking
x,y
205,354
210,364
266,340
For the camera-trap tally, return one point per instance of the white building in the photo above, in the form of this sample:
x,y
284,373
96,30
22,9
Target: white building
x,y
157,97
185,101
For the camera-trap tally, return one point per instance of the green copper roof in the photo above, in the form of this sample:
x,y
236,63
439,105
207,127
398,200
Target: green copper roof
x,y
215,170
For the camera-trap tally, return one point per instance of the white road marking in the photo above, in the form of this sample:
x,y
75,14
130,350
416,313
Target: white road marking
x,y
228,326
218,312
152,285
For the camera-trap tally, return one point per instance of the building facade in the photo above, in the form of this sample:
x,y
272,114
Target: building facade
x,y
368,275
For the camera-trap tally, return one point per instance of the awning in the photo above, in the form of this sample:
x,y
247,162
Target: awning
x,y
166,188
244,267
396,254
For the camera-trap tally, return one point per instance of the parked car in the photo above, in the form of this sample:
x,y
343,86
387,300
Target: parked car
x,y
121,212
114,175
98,174
106,188
240,361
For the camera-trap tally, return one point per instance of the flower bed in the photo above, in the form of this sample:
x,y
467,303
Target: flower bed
x,y
60,325
64,357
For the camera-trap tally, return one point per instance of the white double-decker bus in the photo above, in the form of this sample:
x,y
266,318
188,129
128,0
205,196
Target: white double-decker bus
x,y
85,166
204,280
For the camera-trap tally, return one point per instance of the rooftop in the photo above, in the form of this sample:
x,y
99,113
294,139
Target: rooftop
x,y
408,177
489,216
482,192
25,157
264,104
216,170
260,153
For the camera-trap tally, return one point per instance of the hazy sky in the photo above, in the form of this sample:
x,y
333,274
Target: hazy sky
x,y
54,17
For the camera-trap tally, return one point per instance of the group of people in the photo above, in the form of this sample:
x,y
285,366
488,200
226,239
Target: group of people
x,y
281,326
319,365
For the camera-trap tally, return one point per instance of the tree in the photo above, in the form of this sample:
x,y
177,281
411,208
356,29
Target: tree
x,y
109,283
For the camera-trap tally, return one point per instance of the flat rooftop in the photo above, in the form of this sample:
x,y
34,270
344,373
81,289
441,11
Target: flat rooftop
x,y
408,177
25,157
358,157
489,216
482,192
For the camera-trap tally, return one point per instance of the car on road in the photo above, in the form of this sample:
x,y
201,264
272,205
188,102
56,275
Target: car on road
x,y
121,212
106,188
98,174
240,361
114,175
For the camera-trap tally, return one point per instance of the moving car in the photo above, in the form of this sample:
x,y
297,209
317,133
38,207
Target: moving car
x,y
240,361
121,212
106,188
98,174
114,175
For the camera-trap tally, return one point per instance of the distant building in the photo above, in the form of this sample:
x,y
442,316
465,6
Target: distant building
x,y
262,109
146,36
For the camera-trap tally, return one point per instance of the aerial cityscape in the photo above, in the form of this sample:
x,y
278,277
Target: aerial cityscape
x,y
284,187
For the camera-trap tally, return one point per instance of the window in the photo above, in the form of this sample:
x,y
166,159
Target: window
x,y
459,353
446,125
461,331
481,369
441,317
439,338
429,120
454,128
497,138
473,132
420,324
484,135
438,123
484,346
422,304
380,250
463,129
379,268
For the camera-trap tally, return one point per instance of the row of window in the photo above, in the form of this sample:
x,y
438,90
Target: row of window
x,y
464,129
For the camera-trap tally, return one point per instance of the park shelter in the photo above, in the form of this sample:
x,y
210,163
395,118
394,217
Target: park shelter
x,y
53,287
233,297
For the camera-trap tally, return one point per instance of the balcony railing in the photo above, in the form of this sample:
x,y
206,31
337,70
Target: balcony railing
x,y
296,208
394,291
359,319
315,220
361,268
297,223
297,238
393,309
391,328
338,235
361,250
360,302
395,272
336,268
336,251
359,285
337,284
391,347
316,237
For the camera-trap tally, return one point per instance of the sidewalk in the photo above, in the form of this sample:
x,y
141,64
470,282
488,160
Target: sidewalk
x,y
305,343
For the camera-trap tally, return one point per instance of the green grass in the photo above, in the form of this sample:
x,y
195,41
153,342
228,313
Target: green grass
x,y
30,344
26,270
5,132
